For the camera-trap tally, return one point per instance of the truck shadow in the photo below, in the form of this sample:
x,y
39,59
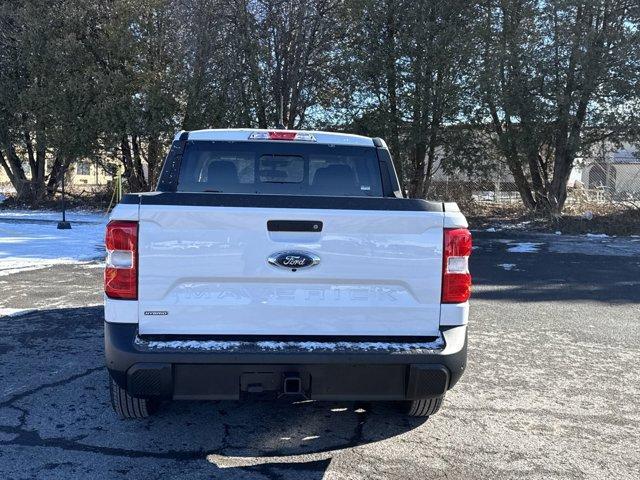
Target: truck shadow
x,y
52,363
280,436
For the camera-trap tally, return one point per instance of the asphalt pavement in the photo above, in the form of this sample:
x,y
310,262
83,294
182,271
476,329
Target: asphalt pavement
x,y
552,389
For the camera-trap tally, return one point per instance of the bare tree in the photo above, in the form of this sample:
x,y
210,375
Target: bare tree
x,y
548,70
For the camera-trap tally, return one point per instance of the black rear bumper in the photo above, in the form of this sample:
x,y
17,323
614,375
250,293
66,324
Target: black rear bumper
x,y
322,375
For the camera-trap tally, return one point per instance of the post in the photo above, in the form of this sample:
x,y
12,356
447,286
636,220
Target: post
x,y
63,225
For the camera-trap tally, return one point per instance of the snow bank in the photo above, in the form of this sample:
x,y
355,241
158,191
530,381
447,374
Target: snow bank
x,y
29,240
15,312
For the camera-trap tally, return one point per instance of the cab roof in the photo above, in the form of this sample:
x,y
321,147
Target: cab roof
x,y
277,135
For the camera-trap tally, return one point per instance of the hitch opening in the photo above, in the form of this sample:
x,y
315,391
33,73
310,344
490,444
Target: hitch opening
x,y
292,385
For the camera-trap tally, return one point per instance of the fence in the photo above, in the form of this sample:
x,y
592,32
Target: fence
x,y
594,182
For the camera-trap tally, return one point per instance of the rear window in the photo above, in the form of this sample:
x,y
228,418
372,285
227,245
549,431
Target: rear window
x,y
279,168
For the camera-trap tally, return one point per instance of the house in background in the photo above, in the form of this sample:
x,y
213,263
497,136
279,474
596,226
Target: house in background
x,y
605,172
91,174
84,173
616,171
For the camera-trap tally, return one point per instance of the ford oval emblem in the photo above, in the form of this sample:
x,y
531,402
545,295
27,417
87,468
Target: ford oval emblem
x,y
294,260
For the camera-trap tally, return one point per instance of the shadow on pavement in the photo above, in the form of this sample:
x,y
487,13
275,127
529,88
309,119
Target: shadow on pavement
x,y
57,397
546,275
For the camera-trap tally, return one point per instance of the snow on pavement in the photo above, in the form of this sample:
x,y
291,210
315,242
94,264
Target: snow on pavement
x,y
29,240
589,244
14,312
83,216
525,247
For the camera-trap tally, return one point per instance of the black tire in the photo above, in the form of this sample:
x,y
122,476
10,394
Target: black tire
x,y
424,407
127,406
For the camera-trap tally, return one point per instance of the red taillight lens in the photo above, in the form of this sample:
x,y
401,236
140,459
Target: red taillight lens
x,y
279,135
121,272
456,279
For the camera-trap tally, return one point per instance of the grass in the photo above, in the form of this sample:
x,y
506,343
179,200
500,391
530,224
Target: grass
x,y
610,219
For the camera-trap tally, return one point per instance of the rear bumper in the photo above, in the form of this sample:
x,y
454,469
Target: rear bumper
x,y
146,370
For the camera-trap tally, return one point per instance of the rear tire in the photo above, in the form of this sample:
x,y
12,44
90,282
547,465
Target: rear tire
x,y
424,407
127,406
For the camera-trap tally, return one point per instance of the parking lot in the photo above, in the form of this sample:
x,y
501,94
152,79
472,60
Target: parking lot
x,y
552,389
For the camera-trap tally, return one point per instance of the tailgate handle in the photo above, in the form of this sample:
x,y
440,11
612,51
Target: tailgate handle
x,y
294,226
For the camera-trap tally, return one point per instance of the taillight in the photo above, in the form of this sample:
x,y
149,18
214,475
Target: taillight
x,y
456,279
121,272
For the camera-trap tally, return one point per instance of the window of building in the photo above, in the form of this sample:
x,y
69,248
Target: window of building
x,y
83,168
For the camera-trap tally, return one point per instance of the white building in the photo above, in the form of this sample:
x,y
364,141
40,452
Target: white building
x,y
611,170
617,171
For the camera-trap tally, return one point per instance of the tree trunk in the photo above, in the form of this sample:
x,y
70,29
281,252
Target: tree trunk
x,y
431,158
137,164
17,175
510,152
17,178
58,169
130,172
417,179
153,160
391,77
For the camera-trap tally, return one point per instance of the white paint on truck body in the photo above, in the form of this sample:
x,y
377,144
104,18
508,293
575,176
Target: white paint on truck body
x,y
242,135
278,285
204,270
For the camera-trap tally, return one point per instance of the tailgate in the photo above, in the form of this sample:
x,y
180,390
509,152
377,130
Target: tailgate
x,y
204,271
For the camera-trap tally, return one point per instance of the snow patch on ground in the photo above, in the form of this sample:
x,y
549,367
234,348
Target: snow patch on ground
x,y
597,235
54,216
284,346
14,312
571,244
92,265
525,247
30,240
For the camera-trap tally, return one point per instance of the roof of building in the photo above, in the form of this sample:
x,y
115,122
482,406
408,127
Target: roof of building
x,y
626,155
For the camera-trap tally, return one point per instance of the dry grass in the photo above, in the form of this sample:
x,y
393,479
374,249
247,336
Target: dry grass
x,y
612,219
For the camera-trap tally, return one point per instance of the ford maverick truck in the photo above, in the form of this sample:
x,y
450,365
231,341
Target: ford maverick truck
x,y
283,263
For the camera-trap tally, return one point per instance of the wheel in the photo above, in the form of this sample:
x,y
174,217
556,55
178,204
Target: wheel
x,y
424,407
127,406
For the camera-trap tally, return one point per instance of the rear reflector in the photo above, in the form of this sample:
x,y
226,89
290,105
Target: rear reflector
x,y
121,272
456,279
283,135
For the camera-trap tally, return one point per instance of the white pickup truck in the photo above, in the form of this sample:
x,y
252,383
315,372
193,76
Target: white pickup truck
x,y
283,263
